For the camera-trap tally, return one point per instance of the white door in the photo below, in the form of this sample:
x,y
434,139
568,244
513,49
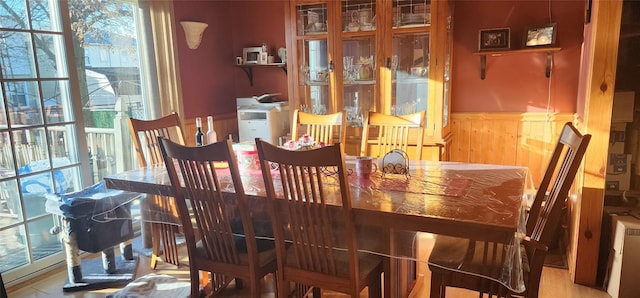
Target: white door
x,y
59,89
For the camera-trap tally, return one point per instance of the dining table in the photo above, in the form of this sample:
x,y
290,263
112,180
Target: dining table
x,y
478,202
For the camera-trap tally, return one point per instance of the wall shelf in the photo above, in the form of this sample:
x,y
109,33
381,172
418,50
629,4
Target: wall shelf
x,y
248,69
483,57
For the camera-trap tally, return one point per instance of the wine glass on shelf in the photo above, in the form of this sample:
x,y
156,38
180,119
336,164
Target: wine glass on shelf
x,y
348,68
394,64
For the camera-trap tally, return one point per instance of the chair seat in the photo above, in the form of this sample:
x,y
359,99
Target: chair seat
x,y
368,262
459,256
264,257
449,252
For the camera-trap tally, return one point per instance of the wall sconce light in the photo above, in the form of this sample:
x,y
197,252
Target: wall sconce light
x,y
193,32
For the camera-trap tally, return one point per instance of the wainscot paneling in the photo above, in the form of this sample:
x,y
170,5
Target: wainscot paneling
x,y
523,139
224,125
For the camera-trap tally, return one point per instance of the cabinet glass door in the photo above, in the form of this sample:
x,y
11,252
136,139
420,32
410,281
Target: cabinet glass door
x,y
314,77
358,58
409,73
359,78
312,53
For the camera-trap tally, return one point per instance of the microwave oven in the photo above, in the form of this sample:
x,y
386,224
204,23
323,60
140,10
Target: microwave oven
x,y
253,55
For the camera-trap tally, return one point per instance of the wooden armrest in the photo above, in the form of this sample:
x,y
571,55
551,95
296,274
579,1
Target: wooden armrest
x,y
527,241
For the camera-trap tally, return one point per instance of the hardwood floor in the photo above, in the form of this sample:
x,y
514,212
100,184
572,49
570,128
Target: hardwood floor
x,y
554,283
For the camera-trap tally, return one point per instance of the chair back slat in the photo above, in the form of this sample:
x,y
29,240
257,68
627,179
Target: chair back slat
x,y
145,135
310,223
322,128
201,202
302,212
393,133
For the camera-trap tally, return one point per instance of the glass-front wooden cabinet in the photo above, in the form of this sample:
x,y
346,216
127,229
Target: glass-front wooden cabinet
x,y
389,56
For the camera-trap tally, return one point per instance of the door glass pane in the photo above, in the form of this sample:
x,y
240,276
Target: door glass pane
x,y
52,62
43,244
16,56
23,99
10,204
14,14
410,73
314,77
31,150
359,77
62,142
57,101
311,19
411,13
44,15
13,254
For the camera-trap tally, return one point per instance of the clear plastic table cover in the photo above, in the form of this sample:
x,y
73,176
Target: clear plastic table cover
x,y
402,216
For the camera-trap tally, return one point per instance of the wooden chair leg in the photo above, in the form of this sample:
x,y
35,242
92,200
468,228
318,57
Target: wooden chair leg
x,y
283,287
375,289
155,246
255,287
437,288
195,282
239,284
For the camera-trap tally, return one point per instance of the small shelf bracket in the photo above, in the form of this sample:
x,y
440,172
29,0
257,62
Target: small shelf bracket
x,y
548,51
248,69
249,72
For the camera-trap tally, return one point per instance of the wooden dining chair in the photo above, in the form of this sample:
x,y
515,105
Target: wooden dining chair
x,y
543,222
218,226
321,128
163,230
315,234
393,132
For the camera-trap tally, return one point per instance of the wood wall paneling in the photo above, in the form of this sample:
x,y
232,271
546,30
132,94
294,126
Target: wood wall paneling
x,y
224,125
523,139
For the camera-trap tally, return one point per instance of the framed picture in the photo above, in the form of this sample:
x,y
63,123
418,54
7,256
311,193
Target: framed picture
x,y
541,36
494,39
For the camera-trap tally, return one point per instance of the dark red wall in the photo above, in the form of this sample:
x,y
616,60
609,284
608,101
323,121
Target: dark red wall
x,y
254,23
516,83
210,81
206,71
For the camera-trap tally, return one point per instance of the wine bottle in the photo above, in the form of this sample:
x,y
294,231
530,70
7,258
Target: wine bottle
x,y
212,136
199,134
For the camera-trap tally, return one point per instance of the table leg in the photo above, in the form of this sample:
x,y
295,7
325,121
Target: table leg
x,y
401,277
